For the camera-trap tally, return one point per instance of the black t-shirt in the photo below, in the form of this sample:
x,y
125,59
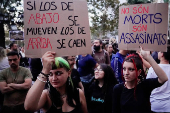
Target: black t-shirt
x,y
35,67
124,100
99,101
77,109
75,77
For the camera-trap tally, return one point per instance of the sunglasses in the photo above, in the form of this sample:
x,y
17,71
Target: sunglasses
x,y
12,60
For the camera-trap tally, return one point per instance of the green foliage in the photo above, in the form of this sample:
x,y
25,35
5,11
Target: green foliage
x,y
105,15
139,1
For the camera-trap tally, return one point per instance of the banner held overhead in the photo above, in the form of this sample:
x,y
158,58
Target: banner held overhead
x,y
61,26
143,25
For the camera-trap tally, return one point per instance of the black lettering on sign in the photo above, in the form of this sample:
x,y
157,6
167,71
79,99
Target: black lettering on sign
x,y
48,6
81,30
29,4
73,20
66,6
77,43
67,30
61,43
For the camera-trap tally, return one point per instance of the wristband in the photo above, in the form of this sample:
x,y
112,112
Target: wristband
x,y
41,80
46,75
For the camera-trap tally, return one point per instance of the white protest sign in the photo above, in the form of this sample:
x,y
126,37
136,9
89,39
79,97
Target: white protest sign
x,y
143,25
61,26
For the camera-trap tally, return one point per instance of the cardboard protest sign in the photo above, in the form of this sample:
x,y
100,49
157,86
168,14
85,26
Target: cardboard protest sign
x,y
143,25
61,26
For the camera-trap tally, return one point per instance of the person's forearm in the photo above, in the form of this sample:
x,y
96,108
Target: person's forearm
x,y
34,94
21,86
7,90
81,86
159,72
146,64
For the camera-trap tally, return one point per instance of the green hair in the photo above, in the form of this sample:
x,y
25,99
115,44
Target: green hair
x,y
62,63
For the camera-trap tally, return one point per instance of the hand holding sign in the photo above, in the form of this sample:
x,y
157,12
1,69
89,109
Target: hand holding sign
x,y
145,54
48,60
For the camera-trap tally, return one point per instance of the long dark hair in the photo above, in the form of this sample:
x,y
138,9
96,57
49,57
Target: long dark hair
x,y
109,77
70,90
109,82
138,64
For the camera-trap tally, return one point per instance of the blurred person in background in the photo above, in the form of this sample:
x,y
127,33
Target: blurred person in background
x,y
109,49
160,97
15,81
3,59
100,55
74,73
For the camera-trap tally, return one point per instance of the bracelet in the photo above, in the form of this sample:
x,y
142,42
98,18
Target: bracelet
x,y
41,80
46,75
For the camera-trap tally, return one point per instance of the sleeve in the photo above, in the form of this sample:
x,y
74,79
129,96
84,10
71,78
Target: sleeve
x,y
92,61
107,58
28,74
77,76
116,65
151,83
2,76
116,108
151,73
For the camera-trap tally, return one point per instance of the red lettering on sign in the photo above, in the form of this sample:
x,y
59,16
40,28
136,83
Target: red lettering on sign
x,y
39,42
42,18
125,10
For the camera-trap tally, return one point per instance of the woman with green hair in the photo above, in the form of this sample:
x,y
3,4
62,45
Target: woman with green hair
x,y
61,96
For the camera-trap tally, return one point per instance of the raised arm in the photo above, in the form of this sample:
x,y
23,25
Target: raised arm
x,y
162,77
35,99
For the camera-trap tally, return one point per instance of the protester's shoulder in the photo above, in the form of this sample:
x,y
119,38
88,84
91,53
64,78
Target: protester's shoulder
x,y
89,56
164,66
105,51
92,86
150,82
24,68
118,86
4,70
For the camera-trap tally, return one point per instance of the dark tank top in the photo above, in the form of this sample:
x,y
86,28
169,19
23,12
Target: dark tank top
x,y
77,109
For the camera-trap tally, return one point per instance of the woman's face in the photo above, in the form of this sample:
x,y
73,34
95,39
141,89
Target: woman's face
x,y
58,77
99,73
129,72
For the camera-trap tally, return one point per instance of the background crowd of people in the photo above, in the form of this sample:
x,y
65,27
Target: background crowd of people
x,y
106,81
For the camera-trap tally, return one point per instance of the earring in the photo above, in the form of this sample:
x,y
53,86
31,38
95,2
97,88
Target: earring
x,y
69,82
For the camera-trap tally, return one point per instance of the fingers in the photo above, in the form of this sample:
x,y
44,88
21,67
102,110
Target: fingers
x,y
141,48
49,53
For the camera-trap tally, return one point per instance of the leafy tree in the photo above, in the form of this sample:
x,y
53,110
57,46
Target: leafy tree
x,y
104,15
6,5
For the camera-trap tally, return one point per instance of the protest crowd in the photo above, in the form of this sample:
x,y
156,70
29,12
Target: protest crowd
x,y
59,71
104,81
